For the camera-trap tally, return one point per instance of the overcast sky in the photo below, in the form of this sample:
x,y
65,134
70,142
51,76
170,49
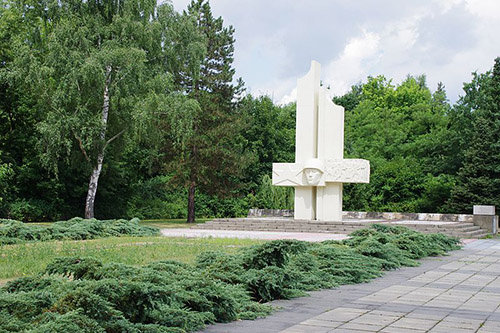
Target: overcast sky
x,y
276,40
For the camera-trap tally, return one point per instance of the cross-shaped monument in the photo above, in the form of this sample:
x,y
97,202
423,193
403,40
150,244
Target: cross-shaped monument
x,y
320,168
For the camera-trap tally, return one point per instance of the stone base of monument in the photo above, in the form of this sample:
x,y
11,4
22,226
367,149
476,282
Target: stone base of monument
x,y
450,224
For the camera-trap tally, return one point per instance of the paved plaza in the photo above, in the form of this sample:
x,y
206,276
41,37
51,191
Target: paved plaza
x,y
450,294
266,235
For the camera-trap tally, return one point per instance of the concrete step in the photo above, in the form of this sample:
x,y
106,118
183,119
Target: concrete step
x,y
457,229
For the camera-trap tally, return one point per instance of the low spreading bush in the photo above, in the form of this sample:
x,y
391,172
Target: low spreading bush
x,y
396,246
343,265
160,297
14,232
85,295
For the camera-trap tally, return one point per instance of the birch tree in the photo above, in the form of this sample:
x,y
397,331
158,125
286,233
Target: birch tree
x,y
100,75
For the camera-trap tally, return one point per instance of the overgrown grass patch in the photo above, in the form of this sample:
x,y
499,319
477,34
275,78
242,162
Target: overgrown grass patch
x,y
96,294
30,258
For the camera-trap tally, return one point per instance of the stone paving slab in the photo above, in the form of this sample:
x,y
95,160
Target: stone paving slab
x,y
455,293
266,235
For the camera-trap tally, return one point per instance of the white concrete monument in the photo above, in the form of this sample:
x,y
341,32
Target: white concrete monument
x,y
320,168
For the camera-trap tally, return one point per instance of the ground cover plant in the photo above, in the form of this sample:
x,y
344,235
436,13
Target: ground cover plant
x,y
86,295
15,232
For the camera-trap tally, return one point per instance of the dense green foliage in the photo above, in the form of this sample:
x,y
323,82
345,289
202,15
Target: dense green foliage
x,y
14,232
143,98
85,295
404,131
425,155
478,180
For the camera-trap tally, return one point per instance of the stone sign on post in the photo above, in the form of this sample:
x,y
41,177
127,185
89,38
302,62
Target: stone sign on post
x,y
320,168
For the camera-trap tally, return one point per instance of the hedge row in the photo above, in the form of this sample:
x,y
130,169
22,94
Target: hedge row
x,y
14,232
85,295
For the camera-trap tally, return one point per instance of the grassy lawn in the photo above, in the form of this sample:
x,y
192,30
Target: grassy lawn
x,y
30,258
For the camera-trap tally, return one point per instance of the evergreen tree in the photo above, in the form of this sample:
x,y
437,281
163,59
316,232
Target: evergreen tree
x,y
210,160
478,181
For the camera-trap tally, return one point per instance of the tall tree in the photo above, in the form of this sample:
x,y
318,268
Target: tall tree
x,y
351,99
270,137
403,131
95,61
100,73
33,194
478,180
210,159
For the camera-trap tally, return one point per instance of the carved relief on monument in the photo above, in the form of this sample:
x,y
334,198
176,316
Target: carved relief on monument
x,y
287,174
347,171
316,173
310,173
313,171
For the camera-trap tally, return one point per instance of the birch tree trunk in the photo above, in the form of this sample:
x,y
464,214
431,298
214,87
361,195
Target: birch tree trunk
x,y
96,172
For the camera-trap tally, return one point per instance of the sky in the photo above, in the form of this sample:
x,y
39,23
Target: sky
x,y
276,40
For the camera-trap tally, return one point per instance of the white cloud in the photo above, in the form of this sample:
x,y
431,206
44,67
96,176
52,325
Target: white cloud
x,y
281,91
289,98
446,5
358,55
484,8
276,40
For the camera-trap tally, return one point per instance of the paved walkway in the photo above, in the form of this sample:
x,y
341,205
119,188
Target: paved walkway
x,y
451,294
267,235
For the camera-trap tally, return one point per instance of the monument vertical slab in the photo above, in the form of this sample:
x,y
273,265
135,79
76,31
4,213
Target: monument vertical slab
x,y
305,138
319,169
330,147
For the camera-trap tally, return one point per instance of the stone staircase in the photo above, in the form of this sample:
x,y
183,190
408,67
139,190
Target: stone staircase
x,y
457,229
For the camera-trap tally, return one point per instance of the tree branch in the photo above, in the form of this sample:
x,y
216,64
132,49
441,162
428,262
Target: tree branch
x,y
80,144
113,138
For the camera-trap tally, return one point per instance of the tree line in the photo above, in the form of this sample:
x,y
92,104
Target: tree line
x,y
128,108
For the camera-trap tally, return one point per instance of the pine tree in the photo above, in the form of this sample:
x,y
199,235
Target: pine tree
x,y
210,160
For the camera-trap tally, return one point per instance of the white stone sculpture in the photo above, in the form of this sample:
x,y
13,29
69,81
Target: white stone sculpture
x,y
320,168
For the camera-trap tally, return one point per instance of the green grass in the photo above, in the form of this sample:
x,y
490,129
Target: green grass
x,y
148,284
30,258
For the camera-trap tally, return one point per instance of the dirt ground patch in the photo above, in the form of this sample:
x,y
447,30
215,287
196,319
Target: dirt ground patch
x,y
3,282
